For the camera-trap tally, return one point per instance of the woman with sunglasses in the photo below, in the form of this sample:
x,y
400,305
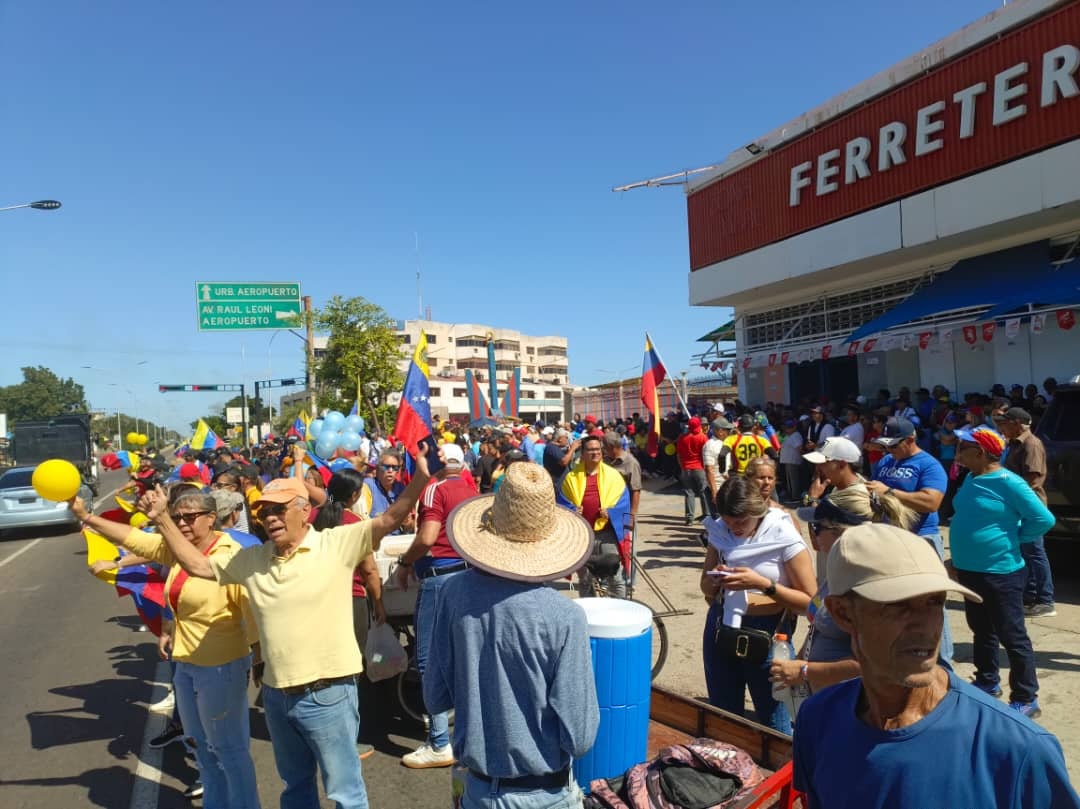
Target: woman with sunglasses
x,y
755,557
211,648
826,657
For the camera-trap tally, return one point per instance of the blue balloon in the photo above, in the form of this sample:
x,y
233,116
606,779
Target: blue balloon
x,y
334,421
351,440
315,428
327,444
355,424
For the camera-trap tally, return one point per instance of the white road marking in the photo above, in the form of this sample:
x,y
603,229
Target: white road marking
x,y
144,794
21,551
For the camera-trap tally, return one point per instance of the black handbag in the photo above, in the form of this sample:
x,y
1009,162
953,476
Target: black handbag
x,y
745,645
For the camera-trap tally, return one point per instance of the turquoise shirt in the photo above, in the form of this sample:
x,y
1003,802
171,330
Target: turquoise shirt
x,y
995,512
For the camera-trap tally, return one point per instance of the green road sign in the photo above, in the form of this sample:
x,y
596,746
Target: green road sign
x,y
249,305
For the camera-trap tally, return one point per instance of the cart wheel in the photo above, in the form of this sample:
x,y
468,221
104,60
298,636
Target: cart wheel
x,y
410,696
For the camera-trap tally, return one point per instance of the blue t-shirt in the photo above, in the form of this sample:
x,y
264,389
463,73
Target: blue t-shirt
x,y
920,471
971,751
995,512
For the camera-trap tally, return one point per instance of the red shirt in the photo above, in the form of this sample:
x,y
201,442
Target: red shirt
x,y
689,449
590,500
438,500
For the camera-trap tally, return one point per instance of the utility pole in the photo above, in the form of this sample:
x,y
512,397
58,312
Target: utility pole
x,y
310,380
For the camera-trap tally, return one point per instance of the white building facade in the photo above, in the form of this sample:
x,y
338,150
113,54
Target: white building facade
x,y
922,228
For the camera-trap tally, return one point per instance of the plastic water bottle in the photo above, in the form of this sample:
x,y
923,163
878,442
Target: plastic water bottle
x,y
781,651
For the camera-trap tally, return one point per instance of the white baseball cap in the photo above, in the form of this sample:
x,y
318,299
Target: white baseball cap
x,y
835,448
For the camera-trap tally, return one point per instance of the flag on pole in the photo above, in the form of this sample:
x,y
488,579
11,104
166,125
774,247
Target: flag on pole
x,y
356,403
414,411
205,438
653,373
299,427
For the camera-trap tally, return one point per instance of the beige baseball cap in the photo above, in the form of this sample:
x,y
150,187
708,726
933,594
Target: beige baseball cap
x,y
884,563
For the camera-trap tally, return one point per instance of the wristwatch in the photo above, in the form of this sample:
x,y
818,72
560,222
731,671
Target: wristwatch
x,y
771,589
402,563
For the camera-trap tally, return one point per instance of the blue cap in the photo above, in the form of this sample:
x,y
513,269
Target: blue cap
x,y
895,430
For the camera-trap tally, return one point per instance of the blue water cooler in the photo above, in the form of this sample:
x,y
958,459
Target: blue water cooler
x,y
620,635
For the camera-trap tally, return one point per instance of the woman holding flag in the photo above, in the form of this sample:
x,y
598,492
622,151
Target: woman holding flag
x,y
211,648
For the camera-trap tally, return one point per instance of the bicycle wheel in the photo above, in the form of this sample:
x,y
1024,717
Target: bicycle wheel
x,y
410,695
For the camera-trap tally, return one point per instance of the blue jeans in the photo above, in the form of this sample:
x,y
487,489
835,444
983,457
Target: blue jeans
x,y
1000,619
1039,588
483,795
213,706
946,649
427,606
316,729
727,679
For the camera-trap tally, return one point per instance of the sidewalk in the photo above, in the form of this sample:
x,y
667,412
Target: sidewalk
x,y
672,554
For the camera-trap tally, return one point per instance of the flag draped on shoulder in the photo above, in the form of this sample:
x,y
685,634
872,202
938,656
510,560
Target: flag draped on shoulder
x,y
204,437
143,583
614,495
653,373
414,411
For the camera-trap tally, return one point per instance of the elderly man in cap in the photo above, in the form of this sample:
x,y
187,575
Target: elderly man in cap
x,y
1026,456
524,710
919,481
715,475
909,732
433,561
299,586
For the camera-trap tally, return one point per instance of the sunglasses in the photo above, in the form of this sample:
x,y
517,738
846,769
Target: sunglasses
x,y
190,517
389,467
817,527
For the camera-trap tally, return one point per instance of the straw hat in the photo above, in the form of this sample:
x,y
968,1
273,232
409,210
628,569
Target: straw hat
x,y
519,532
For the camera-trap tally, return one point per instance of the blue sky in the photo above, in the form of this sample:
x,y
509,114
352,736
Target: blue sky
x,y
276,141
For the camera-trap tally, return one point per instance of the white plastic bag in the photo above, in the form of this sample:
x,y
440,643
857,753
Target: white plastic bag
x,y
384,656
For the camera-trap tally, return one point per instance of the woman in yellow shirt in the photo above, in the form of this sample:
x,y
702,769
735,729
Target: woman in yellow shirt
x,y
211,647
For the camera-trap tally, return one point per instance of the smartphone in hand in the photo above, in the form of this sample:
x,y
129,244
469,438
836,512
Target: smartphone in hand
x,y
434,462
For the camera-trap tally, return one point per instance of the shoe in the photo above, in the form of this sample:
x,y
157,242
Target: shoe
x,y
1040,611
166,704
1029,709
173,733
689,520
426,756
194,791
364,750
993,690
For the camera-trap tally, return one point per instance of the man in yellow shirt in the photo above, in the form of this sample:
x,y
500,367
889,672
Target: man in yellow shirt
x,y
745,445
299,587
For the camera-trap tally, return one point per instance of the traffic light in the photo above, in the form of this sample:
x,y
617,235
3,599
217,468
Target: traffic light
x,y
198,388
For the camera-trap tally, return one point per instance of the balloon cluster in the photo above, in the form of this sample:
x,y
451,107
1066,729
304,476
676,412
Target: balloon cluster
x,y
137,439
336,431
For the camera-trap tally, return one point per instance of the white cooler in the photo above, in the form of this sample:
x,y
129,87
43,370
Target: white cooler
x,y
396,601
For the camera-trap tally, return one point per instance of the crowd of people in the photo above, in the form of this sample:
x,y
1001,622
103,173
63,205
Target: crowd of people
x,y
261,546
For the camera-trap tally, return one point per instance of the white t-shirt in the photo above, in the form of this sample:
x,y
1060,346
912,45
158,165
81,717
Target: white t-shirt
x,y
776,541
855,434
710,453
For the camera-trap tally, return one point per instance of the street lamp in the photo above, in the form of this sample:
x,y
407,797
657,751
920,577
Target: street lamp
x,y
40,205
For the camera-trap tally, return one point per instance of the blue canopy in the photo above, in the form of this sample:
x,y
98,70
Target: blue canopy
x,y
1061,285
987,280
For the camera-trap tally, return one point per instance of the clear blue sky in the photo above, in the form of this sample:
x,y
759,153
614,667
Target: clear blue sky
x,y
272,141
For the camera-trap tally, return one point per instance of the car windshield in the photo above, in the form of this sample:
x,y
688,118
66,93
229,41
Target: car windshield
x,y
16,478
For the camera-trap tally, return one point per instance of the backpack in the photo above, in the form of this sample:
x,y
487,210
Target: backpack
x,y
702,774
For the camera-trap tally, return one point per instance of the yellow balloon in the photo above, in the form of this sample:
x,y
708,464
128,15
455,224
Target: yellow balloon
x,y
143,439
669,449
56,480
133,438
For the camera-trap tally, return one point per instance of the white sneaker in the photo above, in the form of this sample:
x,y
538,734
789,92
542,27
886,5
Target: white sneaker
x,y
426,756
166,704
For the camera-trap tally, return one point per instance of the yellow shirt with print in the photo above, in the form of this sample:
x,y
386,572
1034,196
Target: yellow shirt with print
x,y
744,447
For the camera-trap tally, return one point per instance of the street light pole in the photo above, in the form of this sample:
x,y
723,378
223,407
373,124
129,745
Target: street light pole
x,y
40,205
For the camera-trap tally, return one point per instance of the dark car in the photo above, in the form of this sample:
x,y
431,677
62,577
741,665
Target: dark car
x,y
1059,429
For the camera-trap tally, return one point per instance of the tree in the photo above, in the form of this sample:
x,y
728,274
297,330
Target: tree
x,y
361,358
41,395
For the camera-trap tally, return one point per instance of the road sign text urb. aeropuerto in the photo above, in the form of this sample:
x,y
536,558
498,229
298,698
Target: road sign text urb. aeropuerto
x,y
236,306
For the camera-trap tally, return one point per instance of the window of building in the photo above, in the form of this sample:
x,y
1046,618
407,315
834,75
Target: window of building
x,y
551,369
530,369
475,364
552,351
432,339
474,340
436,391
404,338
553,394
530,350
460,392
507,345
432,362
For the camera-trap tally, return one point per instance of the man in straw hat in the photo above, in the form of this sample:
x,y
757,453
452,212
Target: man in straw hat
x,y
300,588
909,732
511,655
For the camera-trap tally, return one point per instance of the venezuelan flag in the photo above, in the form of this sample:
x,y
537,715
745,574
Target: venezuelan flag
x,y
299,427
143,583
653,373
414,411
204,437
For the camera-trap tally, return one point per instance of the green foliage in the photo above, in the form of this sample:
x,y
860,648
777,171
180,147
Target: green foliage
x,y
40,395
362,356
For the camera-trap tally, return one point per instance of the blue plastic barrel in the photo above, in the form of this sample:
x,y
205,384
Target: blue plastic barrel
x,y
620,635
